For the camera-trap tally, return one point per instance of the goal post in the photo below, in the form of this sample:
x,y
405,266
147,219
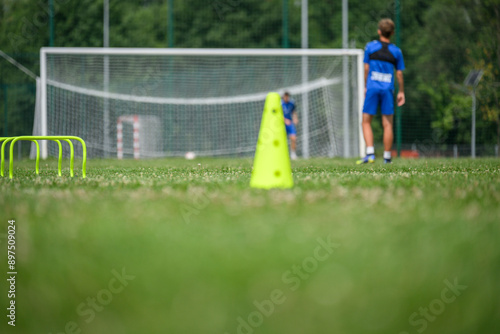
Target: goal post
x,y
208,101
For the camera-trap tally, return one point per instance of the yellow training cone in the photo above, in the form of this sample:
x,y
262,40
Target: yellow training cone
x,y
271,166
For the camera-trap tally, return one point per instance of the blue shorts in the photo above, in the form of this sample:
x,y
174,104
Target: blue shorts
x,y
376,97
290,129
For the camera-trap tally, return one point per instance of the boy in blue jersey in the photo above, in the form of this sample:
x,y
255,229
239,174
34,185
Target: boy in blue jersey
x,y
381,57
291,120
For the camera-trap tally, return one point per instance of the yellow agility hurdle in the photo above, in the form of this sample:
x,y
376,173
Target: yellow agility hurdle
x,y
34,139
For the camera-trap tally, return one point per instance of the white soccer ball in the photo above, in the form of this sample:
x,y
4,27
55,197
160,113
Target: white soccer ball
x,y
190,155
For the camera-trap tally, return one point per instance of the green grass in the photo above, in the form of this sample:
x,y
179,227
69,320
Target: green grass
x,y
204,247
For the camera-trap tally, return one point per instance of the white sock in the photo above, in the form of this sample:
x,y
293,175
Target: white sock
x,y
387,154
370,150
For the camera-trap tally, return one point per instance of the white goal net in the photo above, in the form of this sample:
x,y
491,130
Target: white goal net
x,y
166,102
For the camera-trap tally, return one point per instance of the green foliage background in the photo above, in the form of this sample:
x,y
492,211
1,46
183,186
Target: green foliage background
x,y
441,40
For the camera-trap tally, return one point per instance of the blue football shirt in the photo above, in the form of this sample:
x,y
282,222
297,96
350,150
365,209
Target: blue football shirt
x,y
382,58
288,108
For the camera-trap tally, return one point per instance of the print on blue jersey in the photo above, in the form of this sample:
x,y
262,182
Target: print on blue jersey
x,y
382,58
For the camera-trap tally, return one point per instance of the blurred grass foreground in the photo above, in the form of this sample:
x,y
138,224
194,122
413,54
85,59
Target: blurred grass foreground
x,y
176,246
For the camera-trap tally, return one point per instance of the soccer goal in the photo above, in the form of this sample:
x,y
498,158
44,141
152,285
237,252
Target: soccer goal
x,y
207,101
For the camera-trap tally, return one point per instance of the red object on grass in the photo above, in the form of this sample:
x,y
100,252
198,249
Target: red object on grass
x,y
406,154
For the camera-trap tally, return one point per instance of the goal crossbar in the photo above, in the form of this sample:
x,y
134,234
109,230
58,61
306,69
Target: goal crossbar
x,y
203,52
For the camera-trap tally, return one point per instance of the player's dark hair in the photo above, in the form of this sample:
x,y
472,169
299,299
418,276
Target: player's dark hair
x,y
286,94
386,27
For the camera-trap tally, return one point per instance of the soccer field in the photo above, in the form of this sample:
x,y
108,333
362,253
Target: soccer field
x,y
177,246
